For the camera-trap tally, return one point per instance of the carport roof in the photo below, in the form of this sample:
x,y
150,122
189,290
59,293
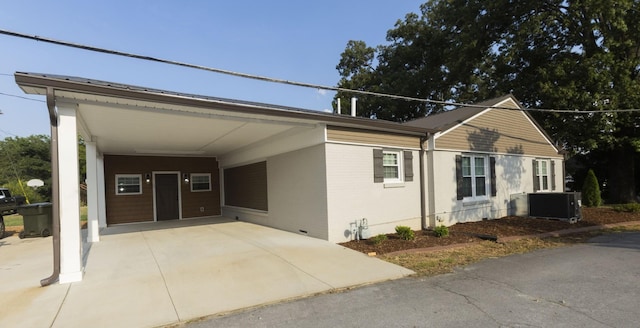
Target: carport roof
x,y
126,119
36,83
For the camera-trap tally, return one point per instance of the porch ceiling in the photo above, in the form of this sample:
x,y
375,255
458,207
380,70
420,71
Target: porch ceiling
x,y
129,129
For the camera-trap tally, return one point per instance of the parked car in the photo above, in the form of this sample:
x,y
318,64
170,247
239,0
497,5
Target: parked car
x,y
9,204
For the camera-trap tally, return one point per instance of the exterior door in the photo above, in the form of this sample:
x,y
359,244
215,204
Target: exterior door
x,y
167,196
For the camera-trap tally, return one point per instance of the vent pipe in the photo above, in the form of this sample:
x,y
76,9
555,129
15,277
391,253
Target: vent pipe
x,y
339,108
354,100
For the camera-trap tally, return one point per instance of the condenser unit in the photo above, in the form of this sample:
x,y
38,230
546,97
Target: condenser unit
x,y
518,204
555,205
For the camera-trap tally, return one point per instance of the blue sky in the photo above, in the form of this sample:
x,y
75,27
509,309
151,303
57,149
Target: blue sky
x,y
292,40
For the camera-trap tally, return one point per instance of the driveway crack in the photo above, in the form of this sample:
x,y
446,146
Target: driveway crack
x,y
471,301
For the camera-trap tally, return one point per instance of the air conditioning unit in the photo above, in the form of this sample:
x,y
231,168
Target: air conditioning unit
x,y
555,205
518,204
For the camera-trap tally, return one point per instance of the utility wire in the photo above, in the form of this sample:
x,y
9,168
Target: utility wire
x,y
21,97
282,81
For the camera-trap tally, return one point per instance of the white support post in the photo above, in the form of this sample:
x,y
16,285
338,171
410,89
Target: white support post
x,y
102,207
70,240
93,229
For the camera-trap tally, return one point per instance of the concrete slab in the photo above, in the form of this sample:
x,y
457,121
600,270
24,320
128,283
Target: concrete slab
x,y
147,275
23,262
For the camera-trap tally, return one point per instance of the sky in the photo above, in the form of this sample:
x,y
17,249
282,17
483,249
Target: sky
x,y
292,40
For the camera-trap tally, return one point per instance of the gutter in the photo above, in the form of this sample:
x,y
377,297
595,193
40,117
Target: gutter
x,y
55,198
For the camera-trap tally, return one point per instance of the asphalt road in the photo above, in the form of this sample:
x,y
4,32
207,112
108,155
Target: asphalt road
x,y
588,285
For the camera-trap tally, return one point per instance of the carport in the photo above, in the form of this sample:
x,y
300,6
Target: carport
x,y
148,275
124,120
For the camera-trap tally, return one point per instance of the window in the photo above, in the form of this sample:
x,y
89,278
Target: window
x,y
475,175
128,184
543,175
392,166
201,182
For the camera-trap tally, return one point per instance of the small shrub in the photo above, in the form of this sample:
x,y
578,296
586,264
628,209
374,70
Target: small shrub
x,y
377,240
630,207
441,231
405,233
591,191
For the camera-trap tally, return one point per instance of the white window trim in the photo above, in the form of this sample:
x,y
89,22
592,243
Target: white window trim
x,y
487,177
399,155
547,162
208,175
138,176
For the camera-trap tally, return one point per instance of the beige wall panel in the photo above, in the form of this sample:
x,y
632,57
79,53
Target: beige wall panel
x,y
498,131
371,138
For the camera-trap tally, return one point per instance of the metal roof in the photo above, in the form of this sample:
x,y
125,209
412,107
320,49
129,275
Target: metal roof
x,y
36,83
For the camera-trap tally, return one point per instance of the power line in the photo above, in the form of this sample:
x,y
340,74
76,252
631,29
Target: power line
x,y
282,81
8,133
21,97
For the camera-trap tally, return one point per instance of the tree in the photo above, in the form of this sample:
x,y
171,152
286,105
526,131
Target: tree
x,y
582,55
24,159
591,191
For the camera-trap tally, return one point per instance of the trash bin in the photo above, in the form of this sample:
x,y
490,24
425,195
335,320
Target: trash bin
x,y
37,219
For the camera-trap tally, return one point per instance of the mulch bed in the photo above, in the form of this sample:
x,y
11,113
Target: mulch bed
x,y
492,229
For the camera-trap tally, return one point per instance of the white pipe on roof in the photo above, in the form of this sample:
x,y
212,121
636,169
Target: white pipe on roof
x,y
354,100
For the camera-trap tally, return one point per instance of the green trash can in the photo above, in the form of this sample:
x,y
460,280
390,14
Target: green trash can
x,y
37,219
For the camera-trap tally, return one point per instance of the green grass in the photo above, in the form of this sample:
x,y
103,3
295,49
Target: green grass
x,y
15,220
83,214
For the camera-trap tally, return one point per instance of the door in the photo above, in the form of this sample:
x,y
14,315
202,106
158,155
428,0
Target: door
x,y
167,196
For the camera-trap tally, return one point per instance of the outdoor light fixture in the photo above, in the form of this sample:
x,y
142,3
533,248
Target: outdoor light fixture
x,y
147,178
185,177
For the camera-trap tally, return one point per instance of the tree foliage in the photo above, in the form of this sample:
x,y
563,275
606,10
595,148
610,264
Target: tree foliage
x,y
23,159
579,55
591,191
26,158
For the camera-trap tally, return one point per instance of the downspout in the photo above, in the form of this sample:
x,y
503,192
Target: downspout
x,y
55,198
423,193
432,184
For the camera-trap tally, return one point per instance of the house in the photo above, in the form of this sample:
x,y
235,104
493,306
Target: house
x,y
481,156
155,155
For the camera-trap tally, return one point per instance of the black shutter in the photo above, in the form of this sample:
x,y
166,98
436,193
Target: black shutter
x,y
378,167
536,181
459,183
492,163
553,175
408,166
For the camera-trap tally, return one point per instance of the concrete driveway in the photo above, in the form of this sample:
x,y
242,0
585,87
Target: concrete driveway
x,y
148,275
582,286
